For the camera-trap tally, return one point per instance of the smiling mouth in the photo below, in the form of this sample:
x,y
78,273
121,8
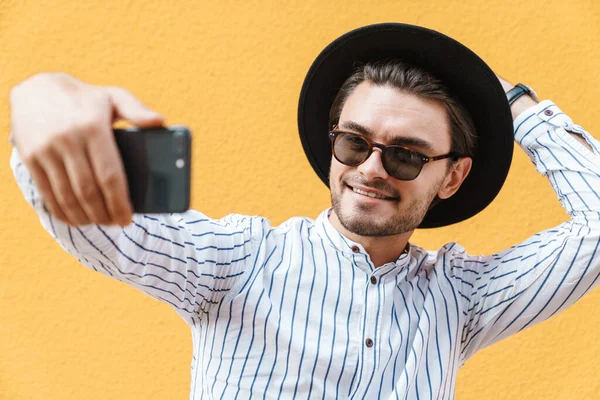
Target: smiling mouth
x,y
372,195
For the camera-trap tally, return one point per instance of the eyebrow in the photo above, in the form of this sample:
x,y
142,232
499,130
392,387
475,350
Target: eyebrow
x,y
398,140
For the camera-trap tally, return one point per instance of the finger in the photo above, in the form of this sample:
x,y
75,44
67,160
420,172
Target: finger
x,y
109,174
45,188
126,106
61,186
85,187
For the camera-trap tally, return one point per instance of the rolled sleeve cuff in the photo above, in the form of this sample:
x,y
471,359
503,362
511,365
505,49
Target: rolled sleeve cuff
x,y
537,120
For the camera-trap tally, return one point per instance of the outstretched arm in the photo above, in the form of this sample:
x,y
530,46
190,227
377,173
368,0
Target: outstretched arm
x,y
67,166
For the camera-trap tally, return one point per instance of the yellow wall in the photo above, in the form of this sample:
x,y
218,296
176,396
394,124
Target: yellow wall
x,y
232,70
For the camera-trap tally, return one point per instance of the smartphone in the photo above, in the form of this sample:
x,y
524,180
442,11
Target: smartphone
x,y
157,165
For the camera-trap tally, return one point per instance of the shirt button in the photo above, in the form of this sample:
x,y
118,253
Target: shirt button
x,y
369,343
355,249
373,280
548,112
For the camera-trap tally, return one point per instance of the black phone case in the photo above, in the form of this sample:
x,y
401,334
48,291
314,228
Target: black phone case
x,y
157,164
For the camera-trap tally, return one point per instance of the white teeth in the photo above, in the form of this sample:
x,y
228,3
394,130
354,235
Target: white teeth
x,y
377,196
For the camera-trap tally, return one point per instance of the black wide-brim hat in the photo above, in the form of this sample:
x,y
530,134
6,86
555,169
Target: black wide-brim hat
x,y
468,79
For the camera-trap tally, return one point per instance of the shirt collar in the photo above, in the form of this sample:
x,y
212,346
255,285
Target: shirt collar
x,y
348,247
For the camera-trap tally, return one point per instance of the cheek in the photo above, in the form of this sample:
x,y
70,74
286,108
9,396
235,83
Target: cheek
x,y
430,177
417,190
336,172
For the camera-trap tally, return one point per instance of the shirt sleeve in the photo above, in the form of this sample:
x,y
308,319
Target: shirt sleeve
x,y
187,260
528,283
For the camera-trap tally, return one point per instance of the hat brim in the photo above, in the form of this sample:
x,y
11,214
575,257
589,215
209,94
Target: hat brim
x,y
468,79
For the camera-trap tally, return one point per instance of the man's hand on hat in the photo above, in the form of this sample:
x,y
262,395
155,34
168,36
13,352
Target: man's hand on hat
x,y
521,104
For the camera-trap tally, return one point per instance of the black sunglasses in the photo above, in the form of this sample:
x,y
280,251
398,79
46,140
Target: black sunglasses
x,y
353,149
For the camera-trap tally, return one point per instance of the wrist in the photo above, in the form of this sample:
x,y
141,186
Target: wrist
x,y
521,104
520,97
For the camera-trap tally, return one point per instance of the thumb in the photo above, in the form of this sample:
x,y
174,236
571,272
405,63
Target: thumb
x,y
127,107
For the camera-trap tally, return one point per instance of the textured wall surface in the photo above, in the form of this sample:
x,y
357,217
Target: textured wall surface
x,y
232,71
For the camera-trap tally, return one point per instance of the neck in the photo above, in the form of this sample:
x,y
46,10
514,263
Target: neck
x,y
381,249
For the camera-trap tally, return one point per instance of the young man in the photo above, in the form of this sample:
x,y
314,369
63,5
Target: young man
x,y
344,306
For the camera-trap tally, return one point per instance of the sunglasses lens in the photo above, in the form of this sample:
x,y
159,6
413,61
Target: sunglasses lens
x,y
353,150
350,149
401,163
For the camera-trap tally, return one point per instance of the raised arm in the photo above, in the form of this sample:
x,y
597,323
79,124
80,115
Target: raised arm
x,y
530,282
67,166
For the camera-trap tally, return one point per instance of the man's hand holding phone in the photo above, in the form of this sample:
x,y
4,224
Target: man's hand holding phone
x,y
62,129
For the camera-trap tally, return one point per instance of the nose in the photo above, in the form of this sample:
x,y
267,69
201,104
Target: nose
x,y
372,168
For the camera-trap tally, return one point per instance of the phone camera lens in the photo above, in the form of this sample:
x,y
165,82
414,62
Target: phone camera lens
x,y
179,145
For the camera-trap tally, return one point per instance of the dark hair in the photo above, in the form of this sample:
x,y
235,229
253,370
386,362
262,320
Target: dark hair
x,y
415,81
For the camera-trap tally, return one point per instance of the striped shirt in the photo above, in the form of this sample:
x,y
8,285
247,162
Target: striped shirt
x,y
299,311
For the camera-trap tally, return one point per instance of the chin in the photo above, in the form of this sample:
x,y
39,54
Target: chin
x,y
365,225
376,218
370,221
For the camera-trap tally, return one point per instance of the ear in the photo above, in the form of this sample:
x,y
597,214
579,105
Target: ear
x,y
458,172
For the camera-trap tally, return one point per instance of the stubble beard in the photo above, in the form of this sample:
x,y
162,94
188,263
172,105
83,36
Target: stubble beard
x,y
360,220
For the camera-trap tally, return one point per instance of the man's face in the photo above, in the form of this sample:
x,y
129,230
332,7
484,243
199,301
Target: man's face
x,y
389,116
